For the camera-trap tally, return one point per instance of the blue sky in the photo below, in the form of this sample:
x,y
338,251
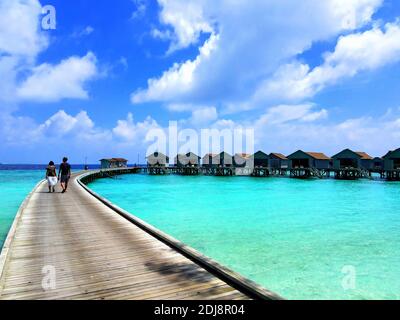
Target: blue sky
x,y
319,76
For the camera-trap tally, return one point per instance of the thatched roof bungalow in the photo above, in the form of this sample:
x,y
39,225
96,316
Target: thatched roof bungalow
x,y
349,159
308,160
157,159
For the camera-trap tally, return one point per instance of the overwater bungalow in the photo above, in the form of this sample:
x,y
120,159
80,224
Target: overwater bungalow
x,y
366,160
157,159
278,161
113,163
308,164
187,164
261,164
261,159
223,165
351,165
378,164
349,159
241,160
223,159
207,161
187,160
392,165
392,160
307,160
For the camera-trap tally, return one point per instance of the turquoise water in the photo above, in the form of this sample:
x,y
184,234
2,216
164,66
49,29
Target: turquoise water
x,y
292,236
14,187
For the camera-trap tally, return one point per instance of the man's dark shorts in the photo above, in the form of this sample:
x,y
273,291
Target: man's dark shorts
x,y
64,179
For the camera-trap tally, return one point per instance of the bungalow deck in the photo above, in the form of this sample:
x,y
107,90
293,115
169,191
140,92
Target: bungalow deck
x,y
352,174
391,175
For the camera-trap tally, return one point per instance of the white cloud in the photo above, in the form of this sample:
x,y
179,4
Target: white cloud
x,y
140,9
78,132
204,116
180,107
123,61
353,13
187,20
162,35
129,131
8,65
177,80
353,54
21,41
19,28
286,113
50,83
76,136
88,30
222,124
246,46
11,128
61,126
314,116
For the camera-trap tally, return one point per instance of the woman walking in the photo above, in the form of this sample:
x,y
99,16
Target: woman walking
x,y
51,176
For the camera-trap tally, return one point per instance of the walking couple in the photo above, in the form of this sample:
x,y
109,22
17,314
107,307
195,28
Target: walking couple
x,y
64,174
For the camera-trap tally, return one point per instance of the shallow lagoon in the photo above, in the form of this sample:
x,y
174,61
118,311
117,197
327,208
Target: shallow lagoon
x,y
14,187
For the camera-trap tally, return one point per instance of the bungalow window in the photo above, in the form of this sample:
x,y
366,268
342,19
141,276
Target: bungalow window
x,y
377,164
275,163
301,163
348,163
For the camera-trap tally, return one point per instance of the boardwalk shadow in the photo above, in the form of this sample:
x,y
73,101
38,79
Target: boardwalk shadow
x,y
182,271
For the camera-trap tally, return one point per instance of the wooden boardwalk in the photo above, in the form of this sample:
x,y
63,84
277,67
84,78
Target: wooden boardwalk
x,y
96,254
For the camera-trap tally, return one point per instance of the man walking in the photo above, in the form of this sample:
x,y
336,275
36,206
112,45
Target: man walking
x,y
65,173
